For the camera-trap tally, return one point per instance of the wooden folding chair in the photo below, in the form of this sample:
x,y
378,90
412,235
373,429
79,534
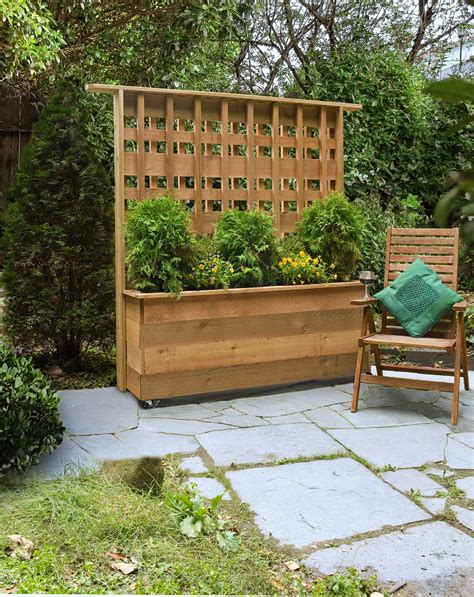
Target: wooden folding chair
x,y
438,248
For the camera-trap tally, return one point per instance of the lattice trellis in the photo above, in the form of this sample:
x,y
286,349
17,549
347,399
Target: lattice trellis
x,y
221,151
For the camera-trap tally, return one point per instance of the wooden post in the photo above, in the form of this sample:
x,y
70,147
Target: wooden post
x,y
197,163
323,154
119,241
276,166
340,149
299,140
225,154
250,156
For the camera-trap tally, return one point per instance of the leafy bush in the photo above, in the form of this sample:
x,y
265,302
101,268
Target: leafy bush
x,y
211,272
332,228
158,245
402,140
29,419
245,238
300,268
59,277
407,213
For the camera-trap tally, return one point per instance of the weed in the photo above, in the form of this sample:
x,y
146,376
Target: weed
x,y
415,495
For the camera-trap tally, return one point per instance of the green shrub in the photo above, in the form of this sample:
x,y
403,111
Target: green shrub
x,y
332,228
405,213
158,245
29,419
59,277
246,239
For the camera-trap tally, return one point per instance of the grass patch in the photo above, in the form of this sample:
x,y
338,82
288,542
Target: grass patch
x,y
75,523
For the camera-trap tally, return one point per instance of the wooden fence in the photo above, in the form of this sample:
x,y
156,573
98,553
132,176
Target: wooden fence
x,y
220,151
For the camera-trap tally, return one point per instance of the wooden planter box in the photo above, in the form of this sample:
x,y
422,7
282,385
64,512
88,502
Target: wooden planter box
x,y
218,340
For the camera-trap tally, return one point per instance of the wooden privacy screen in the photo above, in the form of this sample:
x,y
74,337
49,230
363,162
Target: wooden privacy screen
x,y
219,151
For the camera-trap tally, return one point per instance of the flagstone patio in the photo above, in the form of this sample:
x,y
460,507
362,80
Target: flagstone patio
x,y
367,489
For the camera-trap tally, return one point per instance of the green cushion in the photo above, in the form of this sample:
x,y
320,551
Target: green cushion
x,y
418,299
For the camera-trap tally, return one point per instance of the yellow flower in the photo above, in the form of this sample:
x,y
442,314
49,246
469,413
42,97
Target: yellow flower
x,y
231,270
308,259
332,266
284,260
303,264
302,253
335,276
315,261
294,264
201,266
280,264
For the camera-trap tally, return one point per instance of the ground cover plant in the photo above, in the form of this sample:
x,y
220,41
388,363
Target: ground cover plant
x,y
97,534
29,419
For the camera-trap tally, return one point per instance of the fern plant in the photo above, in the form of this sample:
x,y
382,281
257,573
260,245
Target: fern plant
x,y
158,243
246,239
332,228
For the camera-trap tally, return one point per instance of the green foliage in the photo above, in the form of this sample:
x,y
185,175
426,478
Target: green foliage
x,y
158,245
345,585
469,324
29,419
211,272
300,268
457,205
29,40
401,141
246,239
333,229
407,213
58,277
196,516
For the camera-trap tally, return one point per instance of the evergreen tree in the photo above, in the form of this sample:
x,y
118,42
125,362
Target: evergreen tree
x,y
59,277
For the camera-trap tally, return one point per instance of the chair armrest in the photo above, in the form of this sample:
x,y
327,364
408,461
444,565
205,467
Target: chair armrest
x,y
460,306
363,302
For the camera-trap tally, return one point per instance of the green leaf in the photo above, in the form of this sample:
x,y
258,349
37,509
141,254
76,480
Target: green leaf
x,y
228,541
452,90
190,527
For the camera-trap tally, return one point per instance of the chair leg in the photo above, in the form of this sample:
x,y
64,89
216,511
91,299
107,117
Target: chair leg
x,y
358,371
457,375
465,370
378,360
374,349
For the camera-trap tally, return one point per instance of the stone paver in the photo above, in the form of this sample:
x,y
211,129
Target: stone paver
x,y
401,447
195,412
308,502
458,454
466,485
148,443
435,559
434,505
285,404
179,426
285,419
103,410
67,459
326,418
239,420
407,479
465,517
267,444
385,417
193,464
106,447
209,488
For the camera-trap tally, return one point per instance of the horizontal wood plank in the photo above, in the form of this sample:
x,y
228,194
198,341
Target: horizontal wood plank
x,y
172,385
399,382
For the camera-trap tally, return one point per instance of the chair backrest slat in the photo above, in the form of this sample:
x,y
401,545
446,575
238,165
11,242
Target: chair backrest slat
x,y
439,249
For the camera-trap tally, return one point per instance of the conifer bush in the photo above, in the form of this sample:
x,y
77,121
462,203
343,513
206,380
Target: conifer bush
x,y
332,229
246,239
59,277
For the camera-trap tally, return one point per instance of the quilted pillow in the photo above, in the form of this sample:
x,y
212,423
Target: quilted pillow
x,y
418,299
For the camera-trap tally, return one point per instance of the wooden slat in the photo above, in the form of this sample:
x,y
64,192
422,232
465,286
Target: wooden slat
x,y
424,232
437,267
388,339
276,166
197,163
172,385
323,150
422,240
141,145
299,160
225,154
443,277
340,150
208,330
120,322
428,259
419,369
422,251
250,154
398,382
170,142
